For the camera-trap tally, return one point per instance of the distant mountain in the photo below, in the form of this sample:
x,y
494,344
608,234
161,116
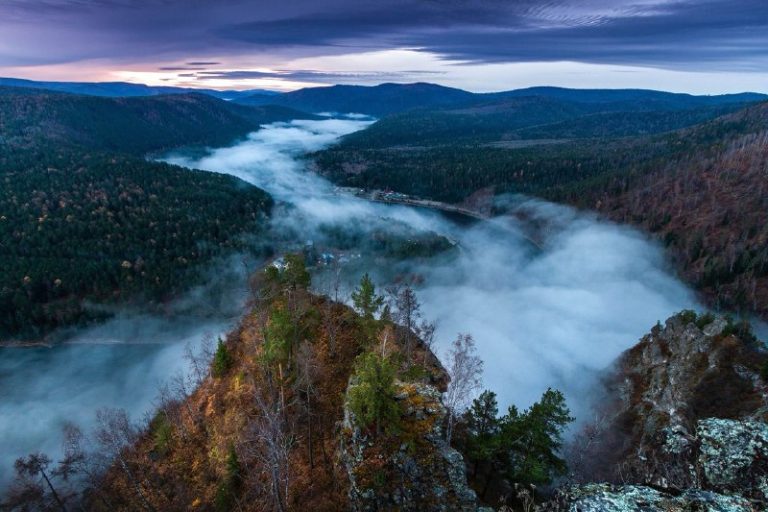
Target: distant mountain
x,y
378,100
650,97
134,125
125,89
386,99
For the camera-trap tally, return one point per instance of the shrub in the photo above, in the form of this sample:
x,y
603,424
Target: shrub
x,y
742,329
704,320
687,316
222,360
162,431
227,491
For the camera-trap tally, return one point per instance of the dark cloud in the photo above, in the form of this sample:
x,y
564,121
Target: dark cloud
x,y
309,75
180,68
700,34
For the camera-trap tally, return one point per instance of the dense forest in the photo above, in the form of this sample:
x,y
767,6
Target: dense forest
x,y
700,189
85,218
390,98
34,120
103,227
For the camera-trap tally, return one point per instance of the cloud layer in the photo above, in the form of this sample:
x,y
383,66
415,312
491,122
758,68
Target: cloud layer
x,y
673,34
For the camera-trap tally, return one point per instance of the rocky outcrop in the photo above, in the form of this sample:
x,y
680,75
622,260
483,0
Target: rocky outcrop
x,y
685,414
414,470
733,457
634,498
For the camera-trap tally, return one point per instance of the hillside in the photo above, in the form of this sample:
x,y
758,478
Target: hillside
x,y
73,169
698,189
525,120
378,100
122,89
131,125
312,405
80,227
262,429
706,203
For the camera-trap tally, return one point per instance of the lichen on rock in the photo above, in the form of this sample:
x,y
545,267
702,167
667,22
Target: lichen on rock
x,y
733,456
637,498
413,469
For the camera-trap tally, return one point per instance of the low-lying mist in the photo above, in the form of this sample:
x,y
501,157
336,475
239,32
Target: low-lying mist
x,y
549,313
545,313
118,364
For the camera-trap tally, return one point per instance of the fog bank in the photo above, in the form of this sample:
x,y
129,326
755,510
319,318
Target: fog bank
x,y
550,313
542,316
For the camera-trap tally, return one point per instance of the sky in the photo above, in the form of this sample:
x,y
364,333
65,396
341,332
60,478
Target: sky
x,y
698,46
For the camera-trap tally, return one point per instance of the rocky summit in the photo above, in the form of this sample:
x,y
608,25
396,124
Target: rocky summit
x,y
685,424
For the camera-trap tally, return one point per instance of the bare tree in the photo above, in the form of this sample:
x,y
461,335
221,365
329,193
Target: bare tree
x,y
307,370
269,442
33,485
427,333
465,370
407,314
181,388
199,359
79,462
330,320
114,434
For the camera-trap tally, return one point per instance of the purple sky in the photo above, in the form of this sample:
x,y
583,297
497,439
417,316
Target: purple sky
x,y
688,45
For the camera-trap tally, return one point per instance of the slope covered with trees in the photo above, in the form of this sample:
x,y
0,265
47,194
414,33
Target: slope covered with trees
x,y
44,121
308,404
85,218
708,205
108,228
699,189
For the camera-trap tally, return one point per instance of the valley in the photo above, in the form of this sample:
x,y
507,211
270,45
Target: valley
x,y
499,237
509,288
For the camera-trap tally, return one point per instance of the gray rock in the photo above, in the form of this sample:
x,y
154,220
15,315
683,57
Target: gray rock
x,y
422,474
635,498
733,456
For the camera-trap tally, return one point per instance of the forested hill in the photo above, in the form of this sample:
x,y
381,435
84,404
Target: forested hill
x,y
122,89
387,99
700,189
708,204
134,125
377,100
86,219
545,117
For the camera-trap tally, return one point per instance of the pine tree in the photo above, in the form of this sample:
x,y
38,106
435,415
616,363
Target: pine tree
x,y
222,359
373,400
532,439
367,304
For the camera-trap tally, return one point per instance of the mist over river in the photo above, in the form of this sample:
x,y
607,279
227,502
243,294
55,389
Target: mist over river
x,y
548,315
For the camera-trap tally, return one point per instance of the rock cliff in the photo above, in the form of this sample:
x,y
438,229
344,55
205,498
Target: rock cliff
x,y
413,470
684,422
